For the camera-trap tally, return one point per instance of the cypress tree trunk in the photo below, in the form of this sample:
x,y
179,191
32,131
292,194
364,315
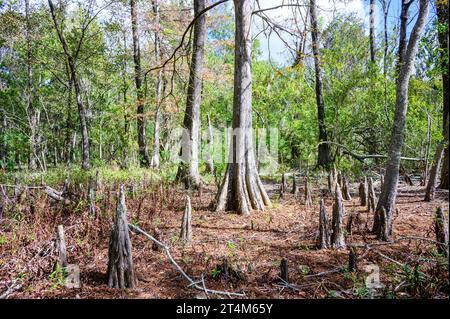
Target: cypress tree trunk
x,y
241,189
144,158
389,191
324,153
372,31
442,12
77,86
159,85
188,169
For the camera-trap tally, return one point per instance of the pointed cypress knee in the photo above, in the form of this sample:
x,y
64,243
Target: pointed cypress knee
x,y
363,192
441,231
337,237
284,270
186,229
371,197
61,247
308,200
352,260
345,188
324,235
120,264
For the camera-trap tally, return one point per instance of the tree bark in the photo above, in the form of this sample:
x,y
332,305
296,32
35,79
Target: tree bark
x,y
158,94
363,189
324,235
389,191
144,158
241,189
441,231
188,169
32,113
77,86
442,12
120,259
209,154
324,152
186,228
431,186
337,237
372,31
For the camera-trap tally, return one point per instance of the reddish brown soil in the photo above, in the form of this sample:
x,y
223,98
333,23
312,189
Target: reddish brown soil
x,y
254,246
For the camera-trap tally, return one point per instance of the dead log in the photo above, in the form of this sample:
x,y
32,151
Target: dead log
x,y
345,188
186,228
120,259
324,235
56,195
371,197
337,236
363,192
441,231
284,270
61,247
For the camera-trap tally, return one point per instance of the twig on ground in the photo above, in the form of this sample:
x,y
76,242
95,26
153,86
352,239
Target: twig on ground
x,y
174,263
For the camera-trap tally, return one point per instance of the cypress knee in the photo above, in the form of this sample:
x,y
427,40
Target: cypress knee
x,y
337,237
120,264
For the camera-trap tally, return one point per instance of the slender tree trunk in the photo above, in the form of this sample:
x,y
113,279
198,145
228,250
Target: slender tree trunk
x,y
77,87
389,192
324,155
144,158
188,170
372,31
209,154
31,112
385,4
159,84
442,11
3,141
241,189
431,186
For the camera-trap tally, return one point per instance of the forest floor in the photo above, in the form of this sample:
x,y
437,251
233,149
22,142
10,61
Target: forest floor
x,y
253,245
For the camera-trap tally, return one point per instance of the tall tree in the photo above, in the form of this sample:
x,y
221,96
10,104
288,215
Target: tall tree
x,y
32,112
71,58
144,158
241,189
389,191
372,31
324,153
188,170
159,86
442,12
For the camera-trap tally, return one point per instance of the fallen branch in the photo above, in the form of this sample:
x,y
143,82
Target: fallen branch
x,y
174,263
